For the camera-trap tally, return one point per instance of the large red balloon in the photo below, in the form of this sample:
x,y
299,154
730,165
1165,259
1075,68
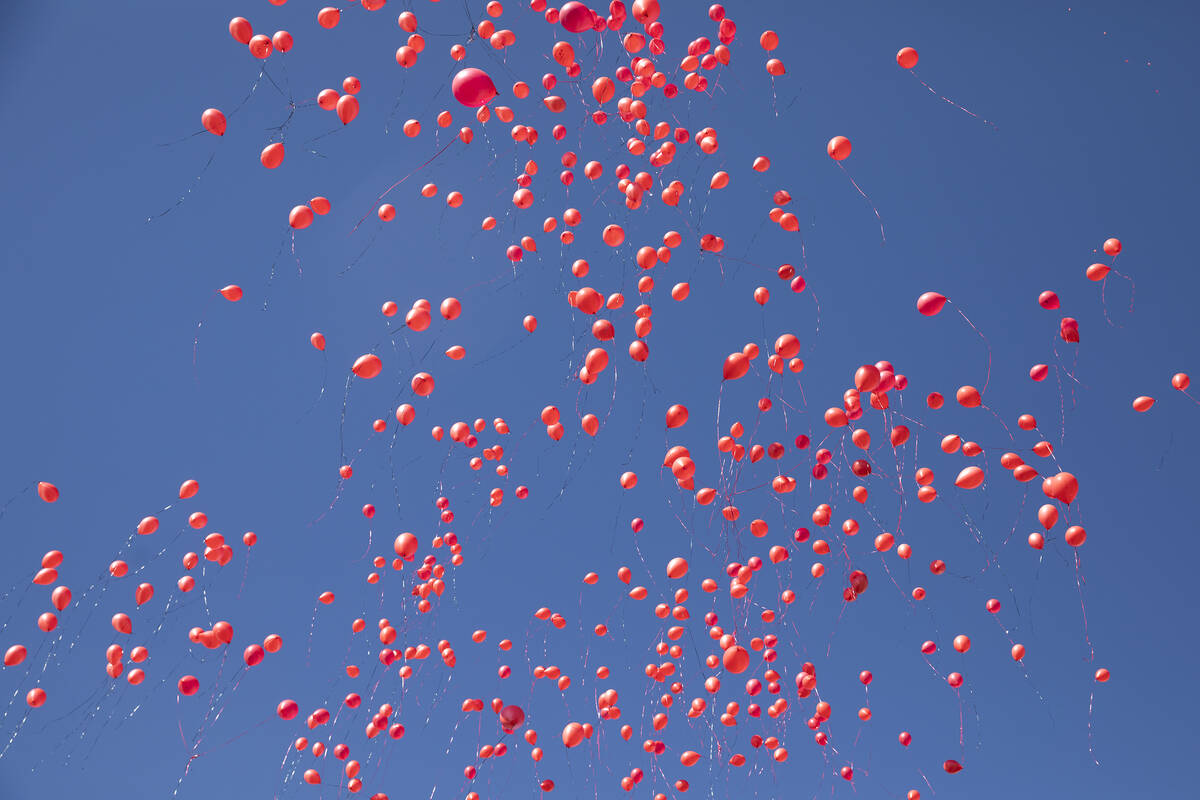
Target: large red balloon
x,y
473,87
736,659
576,17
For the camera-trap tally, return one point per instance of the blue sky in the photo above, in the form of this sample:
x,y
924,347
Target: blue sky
x,y
1094,107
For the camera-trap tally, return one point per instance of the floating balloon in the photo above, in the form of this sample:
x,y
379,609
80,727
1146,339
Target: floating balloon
x,y
473,87
931,303
213,121
838,148
367,366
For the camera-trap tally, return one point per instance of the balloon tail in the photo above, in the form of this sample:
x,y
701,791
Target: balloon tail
x,y
956,105
196,340
183,197
362,252
882,235
271,274
1104,303
1079,581
1092,727
988,377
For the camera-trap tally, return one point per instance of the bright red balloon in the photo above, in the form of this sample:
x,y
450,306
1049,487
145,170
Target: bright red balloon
x,y
473,87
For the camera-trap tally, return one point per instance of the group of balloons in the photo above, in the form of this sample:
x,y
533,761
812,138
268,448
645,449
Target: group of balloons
x,y
719,652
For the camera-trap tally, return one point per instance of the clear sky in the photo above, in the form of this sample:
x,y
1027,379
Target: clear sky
x,y
114,393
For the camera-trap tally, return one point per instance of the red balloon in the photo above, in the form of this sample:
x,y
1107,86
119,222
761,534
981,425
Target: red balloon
x,y
735,659
213,121
367,366
576,17
422,384
1068,329
300,217
572,734
931,303
329,17
60,598
736,365
406,546
241,30
907,57
473,87
838,148
272,155
14,655
1048,300
511,718
260,46
867,378
1063,486
347,108
677,415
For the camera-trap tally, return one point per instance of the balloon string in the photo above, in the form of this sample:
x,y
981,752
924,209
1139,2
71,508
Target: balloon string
x,y
883,236
187,194
961,747
29,488
1104,303
196,340
988,378
250,93
271,274
1092,727
951,102
1083,608
183,139
363,252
